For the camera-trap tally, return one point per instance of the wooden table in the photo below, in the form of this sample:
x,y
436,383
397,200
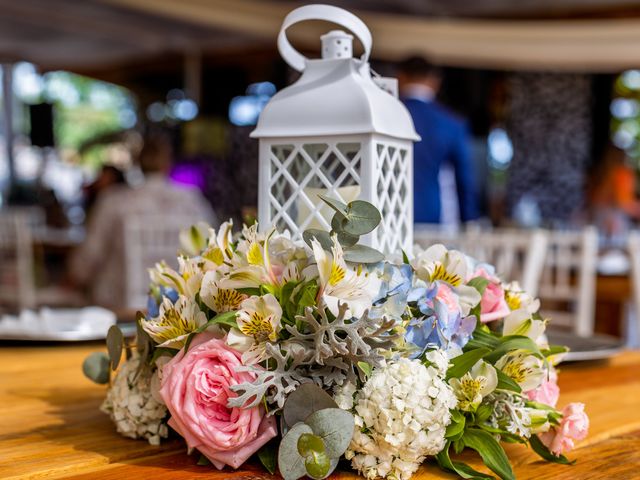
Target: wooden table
x,y
50,426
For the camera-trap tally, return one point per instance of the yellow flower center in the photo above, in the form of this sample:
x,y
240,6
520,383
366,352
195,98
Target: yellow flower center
x,y
227,299
257,327
254,255
337,274
516,371
513,300
440,273
214,255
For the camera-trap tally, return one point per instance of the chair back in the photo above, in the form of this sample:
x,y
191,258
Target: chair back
x,y
633,329
567,291
516,254
17,283
149,239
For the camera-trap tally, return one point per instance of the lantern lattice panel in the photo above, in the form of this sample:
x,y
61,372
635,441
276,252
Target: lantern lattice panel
x,y
299,171
393,197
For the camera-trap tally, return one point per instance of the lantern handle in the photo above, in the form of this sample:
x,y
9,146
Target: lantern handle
x,y
329,13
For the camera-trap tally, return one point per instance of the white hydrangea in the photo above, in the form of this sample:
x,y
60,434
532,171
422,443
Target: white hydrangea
x,y
132,406
401,416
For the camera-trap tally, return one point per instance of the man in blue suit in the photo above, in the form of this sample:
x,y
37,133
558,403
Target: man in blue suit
x,y
445,140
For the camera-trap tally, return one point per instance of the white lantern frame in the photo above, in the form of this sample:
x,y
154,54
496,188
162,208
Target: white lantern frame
x,y
297,163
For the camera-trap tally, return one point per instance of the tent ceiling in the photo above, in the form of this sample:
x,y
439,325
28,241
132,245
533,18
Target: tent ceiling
x,y
95,35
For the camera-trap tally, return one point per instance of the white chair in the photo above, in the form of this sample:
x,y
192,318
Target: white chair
x,y
149,239
569,278
516,254
17,284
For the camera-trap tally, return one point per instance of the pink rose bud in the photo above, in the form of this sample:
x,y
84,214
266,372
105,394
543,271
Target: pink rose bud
x,y
574,426
196,388
548,391
493,305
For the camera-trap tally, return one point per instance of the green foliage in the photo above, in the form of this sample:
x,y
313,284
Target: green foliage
x,y
540,448
115,343
507,383
268,456
349,222
96,367
319,434
463,363
490,451
479,283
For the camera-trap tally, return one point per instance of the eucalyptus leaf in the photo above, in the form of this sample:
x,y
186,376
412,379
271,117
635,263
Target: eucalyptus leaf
x,y
323,237
361,218
335,204
362,254
318,465
115,342
290,462
96,367
335,427
305,400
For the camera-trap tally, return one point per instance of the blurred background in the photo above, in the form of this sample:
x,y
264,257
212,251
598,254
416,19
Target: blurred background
x,y
137,108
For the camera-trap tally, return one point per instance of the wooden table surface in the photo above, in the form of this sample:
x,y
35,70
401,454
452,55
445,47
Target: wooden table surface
x,y
50,426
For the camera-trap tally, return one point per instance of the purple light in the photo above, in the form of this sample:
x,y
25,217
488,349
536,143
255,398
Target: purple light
x,y
188,175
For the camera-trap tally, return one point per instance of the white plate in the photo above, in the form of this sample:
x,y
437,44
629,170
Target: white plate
x,y
596,347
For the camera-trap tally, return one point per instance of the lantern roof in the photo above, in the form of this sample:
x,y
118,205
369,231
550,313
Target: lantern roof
x,y
334,96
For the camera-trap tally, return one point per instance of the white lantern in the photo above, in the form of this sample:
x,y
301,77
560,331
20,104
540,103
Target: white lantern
x,y
338,133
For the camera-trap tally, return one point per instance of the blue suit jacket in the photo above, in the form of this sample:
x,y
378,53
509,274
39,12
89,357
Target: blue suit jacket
x,y
444,139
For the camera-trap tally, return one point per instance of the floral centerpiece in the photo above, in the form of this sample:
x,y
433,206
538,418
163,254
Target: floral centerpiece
x,y
306,354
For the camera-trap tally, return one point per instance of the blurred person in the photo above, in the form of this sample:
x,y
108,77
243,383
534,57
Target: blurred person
x,y
445,145
108,177
613,195
99,263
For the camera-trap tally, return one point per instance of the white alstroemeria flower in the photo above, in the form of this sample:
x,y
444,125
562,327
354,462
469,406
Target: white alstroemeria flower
x,y
186,281
524,369
219,249
174,322
218,299
340,284
520,322
437,264
474,385
194,239
259,319
518,299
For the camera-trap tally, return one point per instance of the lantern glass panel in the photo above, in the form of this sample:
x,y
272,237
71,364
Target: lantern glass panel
x,y
300,172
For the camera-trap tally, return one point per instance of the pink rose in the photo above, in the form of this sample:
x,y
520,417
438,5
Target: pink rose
x,y
493,306
196,387
445,295
548,391
573,426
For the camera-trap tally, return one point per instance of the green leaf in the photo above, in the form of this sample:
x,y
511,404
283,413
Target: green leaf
x,y
306,297
361,218
462,469
482,338
362,254
405,258
540,448
492,453
268,456
227,318
483,413
554,350
345,239
479,283
514,342
305,400
323,237
161,352
115,342
366,368
335,204
203,461
507,383
335,427
96,367
456,427
463,363
290,462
